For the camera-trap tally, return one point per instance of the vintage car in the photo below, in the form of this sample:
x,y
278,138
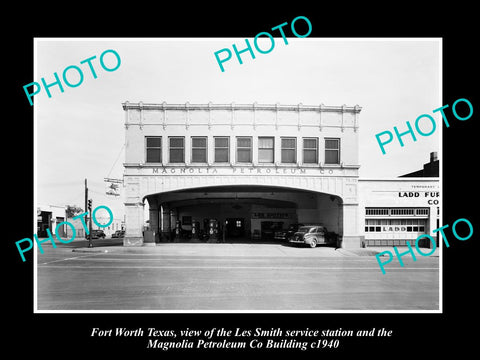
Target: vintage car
x,y
288,233
311,235
97,234
118,234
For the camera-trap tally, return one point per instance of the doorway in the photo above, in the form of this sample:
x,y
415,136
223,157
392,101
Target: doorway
x,y
235,227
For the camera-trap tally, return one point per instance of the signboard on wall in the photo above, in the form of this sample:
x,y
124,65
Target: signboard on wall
x,y
270,215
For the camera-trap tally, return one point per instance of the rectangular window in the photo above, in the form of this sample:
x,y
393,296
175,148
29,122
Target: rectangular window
x,y
310,150
199,149
177,149
376,211
402,211
154,149
222,149
265,149
422,211
332,151
244,149
289,150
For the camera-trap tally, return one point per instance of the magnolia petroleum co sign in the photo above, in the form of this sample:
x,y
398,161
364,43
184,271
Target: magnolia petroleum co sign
x,y
250,170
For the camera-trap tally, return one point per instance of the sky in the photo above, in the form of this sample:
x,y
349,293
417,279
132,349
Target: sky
x,y
80,132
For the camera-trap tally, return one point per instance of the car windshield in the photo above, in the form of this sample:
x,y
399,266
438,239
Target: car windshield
x,y
304,229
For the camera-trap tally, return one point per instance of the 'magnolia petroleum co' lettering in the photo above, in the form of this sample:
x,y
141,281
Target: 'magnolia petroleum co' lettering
x,y
253,170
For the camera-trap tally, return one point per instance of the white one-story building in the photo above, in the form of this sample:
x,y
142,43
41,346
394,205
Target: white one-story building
x,y
244,169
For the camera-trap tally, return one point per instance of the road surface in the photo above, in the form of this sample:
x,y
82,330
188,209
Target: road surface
x,y
230,277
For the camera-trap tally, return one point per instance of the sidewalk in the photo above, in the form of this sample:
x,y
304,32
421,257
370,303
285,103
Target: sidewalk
x,y
218,250
374,250
235,249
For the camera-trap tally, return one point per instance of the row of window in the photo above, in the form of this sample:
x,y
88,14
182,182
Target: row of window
x,y
244,150
395,225
397,211
395,222
398,229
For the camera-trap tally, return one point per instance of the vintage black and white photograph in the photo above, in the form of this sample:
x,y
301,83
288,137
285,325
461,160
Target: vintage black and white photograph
x,y
274,174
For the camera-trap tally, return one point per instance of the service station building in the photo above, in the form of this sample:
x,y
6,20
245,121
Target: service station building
x,y
254,168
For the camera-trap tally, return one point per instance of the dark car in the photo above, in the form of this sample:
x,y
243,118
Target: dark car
x,y
96,234
118,234
311,235
288,233
268,229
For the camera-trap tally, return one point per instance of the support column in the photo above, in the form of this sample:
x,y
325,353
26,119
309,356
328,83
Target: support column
x,y
153,220
167,227
351,238
432,225
133,224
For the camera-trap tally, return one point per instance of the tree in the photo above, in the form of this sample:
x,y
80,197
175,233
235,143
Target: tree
x,y
73,210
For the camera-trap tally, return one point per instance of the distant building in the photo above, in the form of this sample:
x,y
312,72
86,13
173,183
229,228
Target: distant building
x,y
430,169
48,217
117,224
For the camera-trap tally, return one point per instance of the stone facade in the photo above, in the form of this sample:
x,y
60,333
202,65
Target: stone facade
x,y
324,171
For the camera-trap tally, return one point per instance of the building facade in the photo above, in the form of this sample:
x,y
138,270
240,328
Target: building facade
x,y
48,217
242,163
398,210
251,167
116,224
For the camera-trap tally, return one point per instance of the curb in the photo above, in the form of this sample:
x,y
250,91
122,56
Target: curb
x,y
357,252
225,251
89,250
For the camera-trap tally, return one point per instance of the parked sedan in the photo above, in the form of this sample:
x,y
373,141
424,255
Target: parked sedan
x,y
288,233
311,235
96,234
118,234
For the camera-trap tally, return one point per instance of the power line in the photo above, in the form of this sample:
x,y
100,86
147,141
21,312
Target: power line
x,y
115,163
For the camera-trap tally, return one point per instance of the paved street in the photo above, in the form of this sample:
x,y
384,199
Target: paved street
x,y
229,277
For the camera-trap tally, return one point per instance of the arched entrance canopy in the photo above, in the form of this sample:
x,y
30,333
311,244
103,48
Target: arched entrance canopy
x,y
253,206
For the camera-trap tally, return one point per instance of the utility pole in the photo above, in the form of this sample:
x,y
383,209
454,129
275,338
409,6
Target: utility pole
x,y
86,202
90,245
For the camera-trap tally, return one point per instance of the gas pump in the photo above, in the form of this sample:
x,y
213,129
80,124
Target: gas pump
x,y
224,230
195,230
212,231
178,231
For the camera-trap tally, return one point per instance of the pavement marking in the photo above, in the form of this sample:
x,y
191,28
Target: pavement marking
x,y
219,258
71,258
196,259
287,268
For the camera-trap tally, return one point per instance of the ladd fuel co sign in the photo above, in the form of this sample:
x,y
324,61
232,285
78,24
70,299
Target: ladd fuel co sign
x,y
432,196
